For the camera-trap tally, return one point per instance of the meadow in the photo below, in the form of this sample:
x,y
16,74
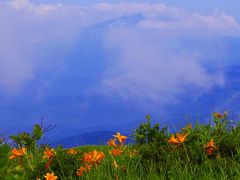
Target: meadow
x,y
202,151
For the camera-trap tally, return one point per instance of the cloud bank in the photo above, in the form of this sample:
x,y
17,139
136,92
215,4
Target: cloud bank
x,y
153,58
154,62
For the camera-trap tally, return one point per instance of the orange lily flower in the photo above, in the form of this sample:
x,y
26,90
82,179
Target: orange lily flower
x,y
93,157
48,153
188,126
219,115
177,140
80,171
210,151
49,163
51,176
88,167
210,147
120,137
72,151
83,169
210,144
181,138
173,140
18,152
117,152
112,142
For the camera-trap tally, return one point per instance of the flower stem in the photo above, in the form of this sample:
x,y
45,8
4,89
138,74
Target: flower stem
x,y
29,164
186,153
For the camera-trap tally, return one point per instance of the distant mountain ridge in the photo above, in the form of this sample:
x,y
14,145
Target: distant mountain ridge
x,y
89,138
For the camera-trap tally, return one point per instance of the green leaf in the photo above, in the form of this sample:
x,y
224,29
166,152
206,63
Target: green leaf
x,y
4,150
148,117
37,132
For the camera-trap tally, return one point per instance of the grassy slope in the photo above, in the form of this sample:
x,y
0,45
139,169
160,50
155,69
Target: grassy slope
x,y
220,168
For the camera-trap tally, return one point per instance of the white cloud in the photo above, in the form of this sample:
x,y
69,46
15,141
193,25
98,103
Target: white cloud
x,y
150,10
153,64
18,4
171,18
30,35
196,24
155,68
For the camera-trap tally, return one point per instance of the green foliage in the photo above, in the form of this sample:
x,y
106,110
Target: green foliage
x,y
37,132
4,150
146,134
152,156
150,140
153,142
28,140
6,172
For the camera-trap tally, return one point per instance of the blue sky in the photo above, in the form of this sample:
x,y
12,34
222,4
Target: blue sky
x,y
95,65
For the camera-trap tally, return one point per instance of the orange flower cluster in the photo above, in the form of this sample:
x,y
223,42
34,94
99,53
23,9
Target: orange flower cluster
x,y
90,159
72,151
121,139
218,115
118,148
178,140
112,142
116,152
210,147
82,169
50,176
48,154
18,153
93,157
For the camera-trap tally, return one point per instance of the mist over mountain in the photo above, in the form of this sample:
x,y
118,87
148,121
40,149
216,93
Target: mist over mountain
x,y
98,77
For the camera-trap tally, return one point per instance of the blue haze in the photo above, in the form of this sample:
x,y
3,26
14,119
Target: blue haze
x,y
74,93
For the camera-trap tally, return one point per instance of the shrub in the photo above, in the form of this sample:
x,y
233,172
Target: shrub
x,y
28,140
150,140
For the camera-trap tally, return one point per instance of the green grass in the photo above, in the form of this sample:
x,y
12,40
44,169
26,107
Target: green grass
x,y
156,157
